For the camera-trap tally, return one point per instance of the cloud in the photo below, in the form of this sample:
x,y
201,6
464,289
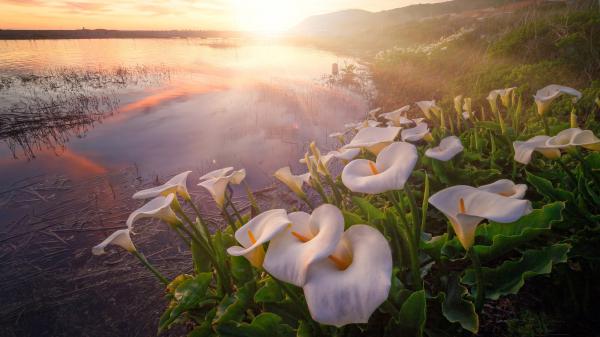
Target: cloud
x,y
85,6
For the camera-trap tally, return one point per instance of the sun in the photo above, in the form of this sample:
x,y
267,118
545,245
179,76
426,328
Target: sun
x,y
269,17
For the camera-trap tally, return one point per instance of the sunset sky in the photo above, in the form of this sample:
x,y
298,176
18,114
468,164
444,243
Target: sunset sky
x,y
256,15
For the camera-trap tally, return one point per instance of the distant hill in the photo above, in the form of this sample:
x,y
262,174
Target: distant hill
x,y
14,34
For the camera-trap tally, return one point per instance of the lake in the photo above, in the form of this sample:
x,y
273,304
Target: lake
x,y
88,107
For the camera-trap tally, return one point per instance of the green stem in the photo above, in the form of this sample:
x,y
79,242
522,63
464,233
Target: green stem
x,y
546,127
414,258
480,295
150,267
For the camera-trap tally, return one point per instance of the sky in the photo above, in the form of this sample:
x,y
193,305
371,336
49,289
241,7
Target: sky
x,y
252,15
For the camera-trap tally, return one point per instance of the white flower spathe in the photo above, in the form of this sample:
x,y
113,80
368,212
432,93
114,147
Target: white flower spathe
x,y
545,96
506,188
293,182
574,137
415,134
217,186
524,150
429,107
159,208
448,148
373,139
176,185
120,238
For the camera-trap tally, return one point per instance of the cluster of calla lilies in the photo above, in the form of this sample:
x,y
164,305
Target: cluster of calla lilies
x,y
345,271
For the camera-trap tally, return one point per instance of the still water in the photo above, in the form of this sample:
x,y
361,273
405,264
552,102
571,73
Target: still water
x,y
80,108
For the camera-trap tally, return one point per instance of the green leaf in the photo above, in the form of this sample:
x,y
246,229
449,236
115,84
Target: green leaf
x,y
304,330
433,247
371,212
545,188
188,295
232,308
510,276
203,330
269,292
456,308
241,269
200,258
413,314
503,237
352,219
264,325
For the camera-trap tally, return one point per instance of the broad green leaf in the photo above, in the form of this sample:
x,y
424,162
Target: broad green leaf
x,y
545,188
269,292
241,269
304,330
264,325
352,219
369,211
413,314
510,276
433,247
232,308
502,237
203,330
200,258
188,295
458,309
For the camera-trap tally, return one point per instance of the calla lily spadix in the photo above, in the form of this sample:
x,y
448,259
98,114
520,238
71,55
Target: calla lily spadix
x,y
506,188
467,206
421,131
159,208
574,137
119,238
504,94
177,185
218,186
258,231
293,182
390,171
309,238
373,139
524,150
428,107
339,296
545,96
448,148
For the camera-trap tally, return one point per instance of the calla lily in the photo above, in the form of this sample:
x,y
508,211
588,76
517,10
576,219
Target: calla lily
x,y
309,238
218,186
505,95
350,293
373,139
574,137
506,188
415,134
361,125
545,96
467,106
448,148
217,173
256,232
324,160
373,113
293,182
429,107
336,135
177,185
467,206
393,166
398,117
159,207
458,103
119,238
466,115
344,154
524,150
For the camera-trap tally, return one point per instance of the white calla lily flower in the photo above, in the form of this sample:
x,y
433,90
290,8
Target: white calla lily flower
x,y
217,173
545,96
336,135
344,154
467,206
428,107
398,116
293,182
218,186
373,139
373,113
361,125
159,208
504,94
574,137
119,238
390,171
339,296
467,106
506,188
524,150
458,103
256,232
421,131
176,185
324,160
448,148
309,238
466,115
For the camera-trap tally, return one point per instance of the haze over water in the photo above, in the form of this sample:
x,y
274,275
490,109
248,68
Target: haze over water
x,y
188,104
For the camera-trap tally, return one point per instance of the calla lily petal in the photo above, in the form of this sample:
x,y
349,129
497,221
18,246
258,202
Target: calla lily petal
x,y
448,148
258,231
339,297
373,139
504,96
466,207
398,116
466,115
218,186
217,173
324,160
159,207
393,167
545,96
415,134
574,137
373,113
506,188
310,238
524,150
428,107
120,238
345,154
293,182
177,185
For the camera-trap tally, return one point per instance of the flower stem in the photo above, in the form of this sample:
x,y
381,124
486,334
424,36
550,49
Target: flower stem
x,y
150,267
480,295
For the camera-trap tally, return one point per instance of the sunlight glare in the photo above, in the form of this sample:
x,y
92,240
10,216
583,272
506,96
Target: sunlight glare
x,y
268,17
